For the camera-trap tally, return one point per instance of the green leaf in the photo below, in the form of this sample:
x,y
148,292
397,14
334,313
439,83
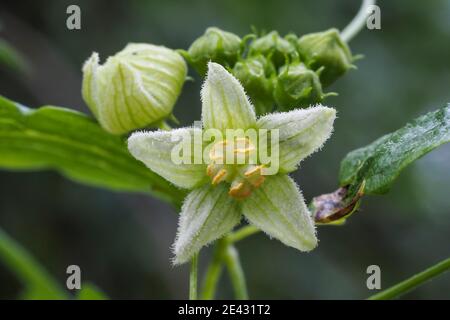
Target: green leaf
x,y
38,283
380,163
75,145
90,291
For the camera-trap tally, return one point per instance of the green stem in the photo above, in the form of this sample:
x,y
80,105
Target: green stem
x,y
413,282
243,233
214,271
193,278
163,125
358,22
29,271
236,273
226,252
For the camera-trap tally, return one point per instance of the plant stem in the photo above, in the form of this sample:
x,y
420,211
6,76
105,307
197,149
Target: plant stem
x,y
243,233
214,271
163,125
236,273
226,252
412,282
358,22
193,278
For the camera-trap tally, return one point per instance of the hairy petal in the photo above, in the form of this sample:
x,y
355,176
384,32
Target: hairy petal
x,y
156,150
207,214
278,209
301,132
224,102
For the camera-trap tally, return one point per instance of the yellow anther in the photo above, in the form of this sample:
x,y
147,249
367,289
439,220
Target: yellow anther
x,y
243,180
248,147
240,191
239,146
219,176
210,170
244,150
254,176
219,146
253,171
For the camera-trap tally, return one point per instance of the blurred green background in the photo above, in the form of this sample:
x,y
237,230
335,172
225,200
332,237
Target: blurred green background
x,y
122,241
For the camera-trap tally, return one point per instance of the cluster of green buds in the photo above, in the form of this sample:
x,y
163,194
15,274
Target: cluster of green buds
x,y
139,86
283,72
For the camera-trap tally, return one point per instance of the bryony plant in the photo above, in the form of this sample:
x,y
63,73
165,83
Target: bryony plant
x,y
242,174
221,191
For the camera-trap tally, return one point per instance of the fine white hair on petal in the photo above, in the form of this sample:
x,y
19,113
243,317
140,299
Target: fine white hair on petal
x,y
301,132
278,208
207,214
225,104
156,150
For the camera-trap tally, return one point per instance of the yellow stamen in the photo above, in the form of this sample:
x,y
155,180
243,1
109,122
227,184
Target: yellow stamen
x,y
209,170
253,171
240,191
219,176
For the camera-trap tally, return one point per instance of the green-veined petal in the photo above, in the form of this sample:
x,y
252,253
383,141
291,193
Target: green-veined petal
x,y
207,214
301,132
224,102
278,209
163,153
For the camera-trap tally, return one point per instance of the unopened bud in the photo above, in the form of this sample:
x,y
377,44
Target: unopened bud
x,y
135,88
297,86
256,75
326,49
273,46
214,45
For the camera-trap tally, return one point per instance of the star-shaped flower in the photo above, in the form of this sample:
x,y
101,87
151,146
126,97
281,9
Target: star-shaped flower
x,y
222,192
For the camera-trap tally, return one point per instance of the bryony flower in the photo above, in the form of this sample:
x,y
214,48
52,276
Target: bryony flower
x,y
221,192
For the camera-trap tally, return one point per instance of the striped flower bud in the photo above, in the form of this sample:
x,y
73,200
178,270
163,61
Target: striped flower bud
x,y
135,88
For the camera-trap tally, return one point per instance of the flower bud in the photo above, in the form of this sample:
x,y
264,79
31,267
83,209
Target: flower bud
x,y
214,45
297,86
326,49
273,46
135,88
256,75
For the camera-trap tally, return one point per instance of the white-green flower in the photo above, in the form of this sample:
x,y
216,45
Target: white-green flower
x,y
222,194
134,88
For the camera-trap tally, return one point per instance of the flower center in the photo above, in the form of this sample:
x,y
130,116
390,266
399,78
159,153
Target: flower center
x,y
235,162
